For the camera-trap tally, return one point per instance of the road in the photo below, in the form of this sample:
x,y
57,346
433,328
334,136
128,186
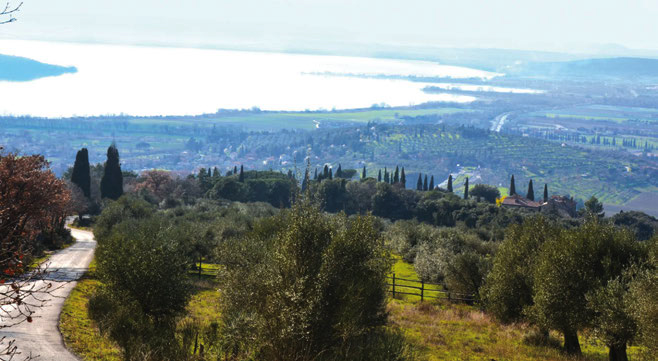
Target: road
x,y
499,121
42,336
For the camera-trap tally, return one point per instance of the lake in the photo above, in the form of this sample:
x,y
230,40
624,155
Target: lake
x,y
134,80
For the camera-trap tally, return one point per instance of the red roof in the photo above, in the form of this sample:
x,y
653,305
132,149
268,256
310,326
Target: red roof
x,y
518,201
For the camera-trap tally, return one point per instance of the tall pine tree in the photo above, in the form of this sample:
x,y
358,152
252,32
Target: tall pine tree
x,y
432,183
531,192
466,188
112,181
363,173
241,178
512,186
339,171
396,177
425,185
545,192
450,183
419,184
379,176
403,178
80,175
386,175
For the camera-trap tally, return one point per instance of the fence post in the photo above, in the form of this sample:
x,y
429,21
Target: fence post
x,y
422,290
393,285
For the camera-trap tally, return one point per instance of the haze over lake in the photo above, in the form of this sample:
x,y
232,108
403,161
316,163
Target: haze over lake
x,y
133,80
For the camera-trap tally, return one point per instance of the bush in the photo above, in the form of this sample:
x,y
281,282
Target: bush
x,y
305,286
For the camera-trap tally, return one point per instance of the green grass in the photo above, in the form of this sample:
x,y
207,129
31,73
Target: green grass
x,y
443,330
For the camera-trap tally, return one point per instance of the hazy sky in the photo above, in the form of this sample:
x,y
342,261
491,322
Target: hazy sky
x,y
572,25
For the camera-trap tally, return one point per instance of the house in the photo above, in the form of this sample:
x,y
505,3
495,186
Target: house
x,y
560,205
516,201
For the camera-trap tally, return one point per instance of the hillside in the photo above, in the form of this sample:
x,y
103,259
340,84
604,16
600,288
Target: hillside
x,y
619,68
14,68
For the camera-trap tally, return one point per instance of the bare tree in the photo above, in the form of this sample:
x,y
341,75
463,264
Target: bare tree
x,y
7,15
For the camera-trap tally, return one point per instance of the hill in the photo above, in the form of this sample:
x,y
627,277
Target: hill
x,y
14,68
620,68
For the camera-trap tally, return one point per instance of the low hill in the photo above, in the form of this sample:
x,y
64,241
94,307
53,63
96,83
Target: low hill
x,y
14,68
620,68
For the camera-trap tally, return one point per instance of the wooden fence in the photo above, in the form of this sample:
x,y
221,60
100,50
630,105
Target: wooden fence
x,y
424,290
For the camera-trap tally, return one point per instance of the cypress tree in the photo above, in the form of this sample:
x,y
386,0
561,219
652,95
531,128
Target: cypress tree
x,y
432,183
425,185
545,192
315,177
363,173
512,186
331,173
386,175
235,169
403,179
112,181
419,184
80,175
396,177
339,172
379,176
450,183
215,173
325,172
531,192
241,179
306,180
466,188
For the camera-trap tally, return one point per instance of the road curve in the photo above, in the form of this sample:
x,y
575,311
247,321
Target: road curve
x,y
42,337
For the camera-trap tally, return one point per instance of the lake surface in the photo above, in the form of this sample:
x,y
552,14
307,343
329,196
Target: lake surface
x,y
114,79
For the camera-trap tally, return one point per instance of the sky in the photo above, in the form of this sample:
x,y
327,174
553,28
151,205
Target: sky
x,y
576,26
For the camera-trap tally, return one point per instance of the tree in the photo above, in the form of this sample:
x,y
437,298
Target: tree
x,y
80,175
7,14
570,267
403,179
161,184
450,183
531,192
112,182
466,188
339,172
363,173
512,186
396,177
325,172
425,184
215,173
545,192
241,177
386,175
33,204
431,187
379,176
419,184
594,208
301,288
489,193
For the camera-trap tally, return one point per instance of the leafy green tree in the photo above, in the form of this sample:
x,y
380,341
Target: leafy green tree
x,y
570,267
643,293
489,193
112,181
450,183
81,175
305,286
594,208
466,188
531,192
512,186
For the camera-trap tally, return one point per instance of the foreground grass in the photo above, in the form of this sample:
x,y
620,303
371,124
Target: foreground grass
x,y
442,330
80,333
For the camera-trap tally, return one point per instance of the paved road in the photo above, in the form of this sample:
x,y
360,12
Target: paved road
x,y
42,336
499,121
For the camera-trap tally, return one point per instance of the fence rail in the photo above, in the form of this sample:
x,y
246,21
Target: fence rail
x,y
397,288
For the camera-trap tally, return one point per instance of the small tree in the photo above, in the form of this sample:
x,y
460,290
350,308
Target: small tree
x,y
403,179
431,187
241,177
419,184
512,186
425,184
489,193
594,208
379,176
112,181
531,192
545,192
466,188
396,176
80,175
450,183
363,173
